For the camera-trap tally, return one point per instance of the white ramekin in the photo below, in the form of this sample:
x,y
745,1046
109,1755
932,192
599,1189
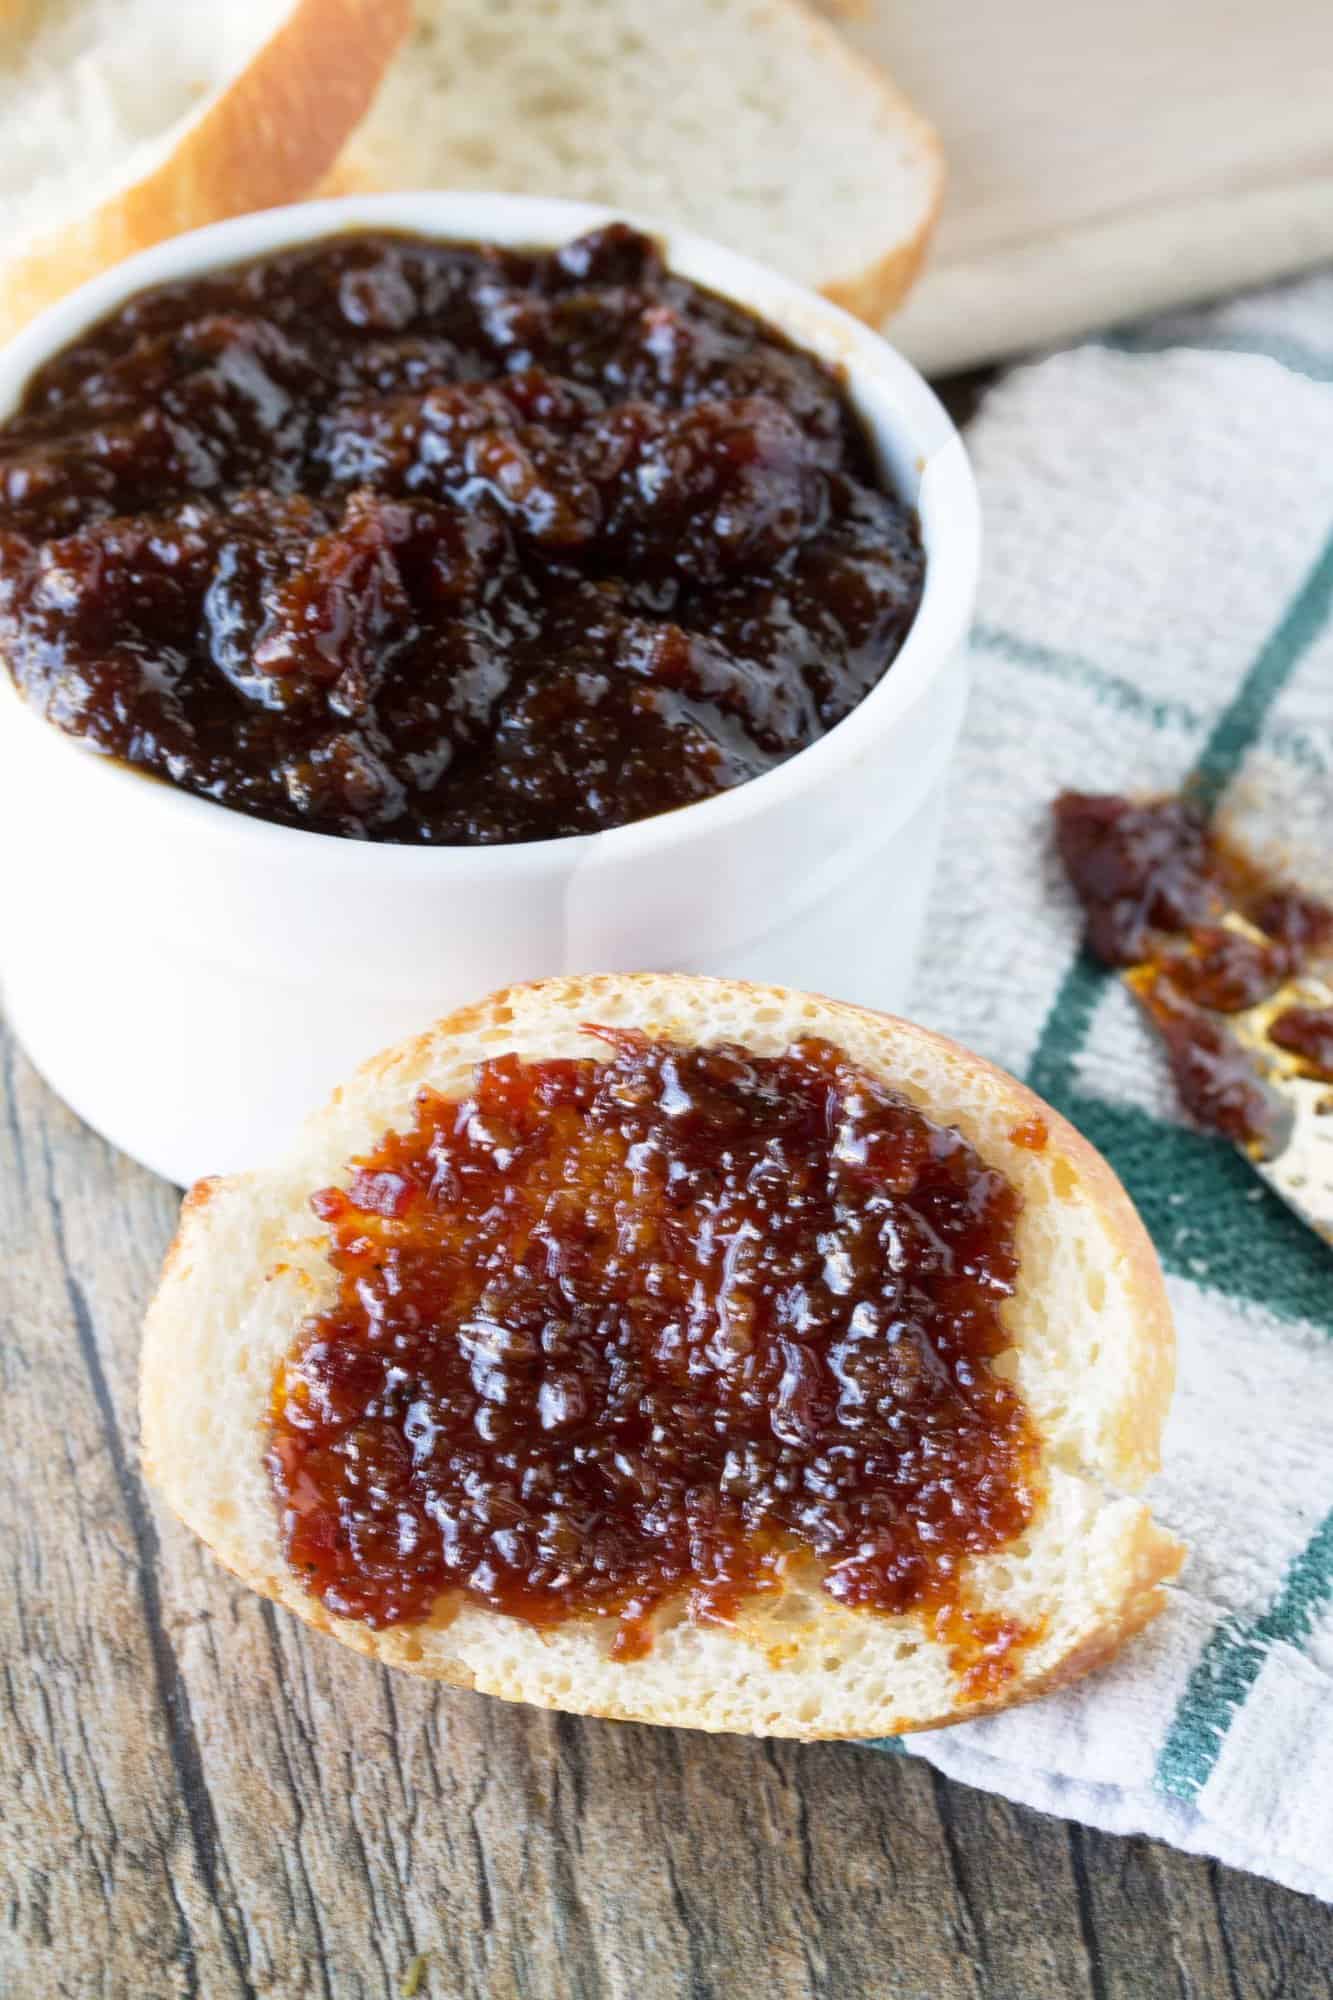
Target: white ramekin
x,y
192,981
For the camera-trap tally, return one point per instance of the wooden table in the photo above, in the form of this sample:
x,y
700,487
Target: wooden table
x,y
200,1797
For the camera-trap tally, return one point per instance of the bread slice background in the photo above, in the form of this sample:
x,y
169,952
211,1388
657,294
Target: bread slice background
x,y
127,121
750,121
1093,1356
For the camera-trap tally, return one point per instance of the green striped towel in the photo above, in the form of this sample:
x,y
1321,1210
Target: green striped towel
x,y
1156,607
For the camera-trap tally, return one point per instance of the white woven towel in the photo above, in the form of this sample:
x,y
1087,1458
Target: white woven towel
x,y
1156,605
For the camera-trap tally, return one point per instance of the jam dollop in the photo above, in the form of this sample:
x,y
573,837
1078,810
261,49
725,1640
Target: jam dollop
x,y
614,1334
443,543
1155,880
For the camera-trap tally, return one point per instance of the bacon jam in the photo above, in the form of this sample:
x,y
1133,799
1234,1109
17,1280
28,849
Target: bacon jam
x,y
447,544
1155,881
611,1336
1307,1032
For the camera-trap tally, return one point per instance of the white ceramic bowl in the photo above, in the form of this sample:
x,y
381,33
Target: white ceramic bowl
x,y
193,981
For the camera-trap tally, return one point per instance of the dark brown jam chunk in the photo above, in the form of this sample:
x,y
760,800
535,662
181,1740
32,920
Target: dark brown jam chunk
x,y
1215,1076
1307,1032
446,544
611,1334
1300,924
1225,970
1153,879
1137,868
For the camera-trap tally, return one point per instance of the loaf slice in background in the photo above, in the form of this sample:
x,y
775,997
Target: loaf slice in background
x,y
750,121
127,123
1092,1357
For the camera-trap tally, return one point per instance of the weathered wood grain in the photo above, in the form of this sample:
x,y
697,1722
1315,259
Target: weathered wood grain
x,y
200,1798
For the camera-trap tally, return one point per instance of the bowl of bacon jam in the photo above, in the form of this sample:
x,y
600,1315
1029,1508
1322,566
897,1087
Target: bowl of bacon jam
x,y
478,524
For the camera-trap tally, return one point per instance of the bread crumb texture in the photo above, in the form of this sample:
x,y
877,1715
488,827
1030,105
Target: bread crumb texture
x,y
1092,1353
127,121
692,114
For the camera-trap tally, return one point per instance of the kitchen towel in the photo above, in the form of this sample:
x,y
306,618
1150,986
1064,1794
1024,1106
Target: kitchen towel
x,y
1156,610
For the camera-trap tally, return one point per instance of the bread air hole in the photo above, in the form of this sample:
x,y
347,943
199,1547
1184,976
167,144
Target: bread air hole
x,y
486,50
480,153
549,100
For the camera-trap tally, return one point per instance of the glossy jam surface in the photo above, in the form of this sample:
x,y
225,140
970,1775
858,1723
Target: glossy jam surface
x,y
1216,1078
1137,867
441,543
1031,1134
611,1334
1154,880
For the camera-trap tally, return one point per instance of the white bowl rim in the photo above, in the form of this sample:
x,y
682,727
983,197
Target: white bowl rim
x,y
947,505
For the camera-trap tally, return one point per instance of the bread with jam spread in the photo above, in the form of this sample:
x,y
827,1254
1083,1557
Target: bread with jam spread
x,y
750,121
1089,1365
125,124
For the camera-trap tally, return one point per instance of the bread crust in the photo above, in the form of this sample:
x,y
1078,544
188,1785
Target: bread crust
x,y
877,291
251,1220
265,138
1153,1558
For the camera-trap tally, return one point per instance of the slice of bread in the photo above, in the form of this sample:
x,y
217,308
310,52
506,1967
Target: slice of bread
x,y
126,121
1093,1356
750,121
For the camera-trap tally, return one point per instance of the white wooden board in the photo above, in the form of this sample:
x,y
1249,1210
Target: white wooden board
x,y
1108,160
